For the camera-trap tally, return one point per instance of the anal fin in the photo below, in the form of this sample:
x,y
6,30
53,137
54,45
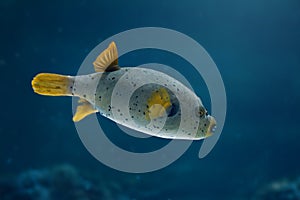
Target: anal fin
x,y
83,109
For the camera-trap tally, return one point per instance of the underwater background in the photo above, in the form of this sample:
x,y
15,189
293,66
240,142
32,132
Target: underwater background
x,y
256,46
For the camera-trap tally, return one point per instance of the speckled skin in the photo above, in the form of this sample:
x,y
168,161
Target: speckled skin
x,y
107,93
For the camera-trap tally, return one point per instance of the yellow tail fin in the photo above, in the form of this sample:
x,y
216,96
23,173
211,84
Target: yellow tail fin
x,y
52,84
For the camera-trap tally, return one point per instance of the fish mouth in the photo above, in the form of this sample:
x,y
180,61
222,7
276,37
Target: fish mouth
x,y
212,127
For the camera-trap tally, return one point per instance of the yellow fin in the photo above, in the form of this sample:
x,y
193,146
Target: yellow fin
x,y
51,84
158,103
107,61
83,109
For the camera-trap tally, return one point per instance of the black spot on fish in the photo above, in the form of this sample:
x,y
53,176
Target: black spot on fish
x,y
84,95
113,78
174,110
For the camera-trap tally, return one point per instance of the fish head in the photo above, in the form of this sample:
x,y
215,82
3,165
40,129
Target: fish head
x,y
207,123
211,127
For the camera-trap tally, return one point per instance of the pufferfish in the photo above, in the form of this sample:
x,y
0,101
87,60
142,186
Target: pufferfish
x,y
142,99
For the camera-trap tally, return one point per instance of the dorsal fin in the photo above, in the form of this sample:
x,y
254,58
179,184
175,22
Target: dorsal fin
x,y
84,109
107,61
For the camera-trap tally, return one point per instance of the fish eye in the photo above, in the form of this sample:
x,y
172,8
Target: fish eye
x,y
201,112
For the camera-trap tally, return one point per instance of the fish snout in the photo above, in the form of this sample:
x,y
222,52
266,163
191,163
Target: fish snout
x,y
211,127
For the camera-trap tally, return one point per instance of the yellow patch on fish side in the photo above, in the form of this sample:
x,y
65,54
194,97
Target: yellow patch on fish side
x,y
157,104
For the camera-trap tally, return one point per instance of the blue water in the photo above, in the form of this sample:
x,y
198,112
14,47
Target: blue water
x,y
255,44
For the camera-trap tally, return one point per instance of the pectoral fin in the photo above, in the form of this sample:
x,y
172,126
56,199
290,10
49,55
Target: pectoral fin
x,y
158,103
83,109
107,61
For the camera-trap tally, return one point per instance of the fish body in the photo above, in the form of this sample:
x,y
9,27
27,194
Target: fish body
x,y
142,99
